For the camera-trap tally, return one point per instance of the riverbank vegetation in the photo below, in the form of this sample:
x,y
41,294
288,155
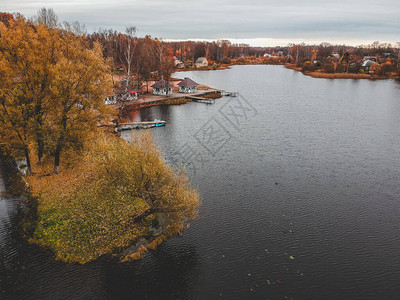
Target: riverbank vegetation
x,y
113,195
170,101
327,61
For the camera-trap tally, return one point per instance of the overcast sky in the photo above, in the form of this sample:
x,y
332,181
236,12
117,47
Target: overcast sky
x,y
257,22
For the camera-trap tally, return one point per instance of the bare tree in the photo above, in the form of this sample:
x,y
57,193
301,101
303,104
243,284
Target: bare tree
x,y
76,28
129,52
48,17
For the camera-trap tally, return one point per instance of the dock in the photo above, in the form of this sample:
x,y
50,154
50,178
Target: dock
x,y
151,100
230,94
139,125
200,99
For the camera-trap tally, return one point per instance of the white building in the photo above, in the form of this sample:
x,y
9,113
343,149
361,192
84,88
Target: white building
x,y
187,86
162,88
201,62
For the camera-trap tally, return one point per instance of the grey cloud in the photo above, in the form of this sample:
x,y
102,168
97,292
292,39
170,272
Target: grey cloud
x,y
182,19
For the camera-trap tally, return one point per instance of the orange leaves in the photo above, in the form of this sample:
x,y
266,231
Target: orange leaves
x,y
5,18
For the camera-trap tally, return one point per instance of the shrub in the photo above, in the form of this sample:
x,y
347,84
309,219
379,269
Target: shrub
x,y
308,67
225,60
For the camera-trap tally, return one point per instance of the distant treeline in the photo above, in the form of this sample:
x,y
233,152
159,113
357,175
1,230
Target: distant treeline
x,y
146,58
151,54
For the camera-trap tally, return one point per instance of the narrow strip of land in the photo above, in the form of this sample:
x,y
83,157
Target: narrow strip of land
x,y
150,100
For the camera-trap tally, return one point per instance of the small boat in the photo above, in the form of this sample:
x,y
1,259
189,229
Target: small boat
x,y
159,123
140,125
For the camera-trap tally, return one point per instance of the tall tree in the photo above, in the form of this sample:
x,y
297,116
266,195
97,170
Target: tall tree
x,y
48,17
129,50
146,60
82,82
17,87
164,56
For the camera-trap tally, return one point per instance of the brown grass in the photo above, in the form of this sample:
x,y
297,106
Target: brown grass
x,y
338,75
212,96
293,67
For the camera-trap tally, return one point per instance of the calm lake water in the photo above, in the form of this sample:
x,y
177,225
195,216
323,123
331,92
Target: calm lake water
x,y
299,181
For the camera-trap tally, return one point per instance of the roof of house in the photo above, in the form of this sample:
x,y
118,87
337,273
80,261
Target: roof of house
x,y
187,82
201,60
161,84
368,63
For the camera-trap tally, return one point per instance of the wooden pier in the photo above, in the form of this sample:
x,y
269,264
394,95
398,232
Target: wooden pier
x,y
230,94
200,99
152,100
139,125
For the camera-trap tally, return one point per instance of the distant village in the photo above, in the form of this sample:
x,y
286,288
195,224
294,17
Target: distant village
x,y
372,61
143,66
379,59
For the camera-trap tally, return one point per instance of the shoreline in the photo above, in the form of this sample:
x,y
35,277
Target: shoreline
x,y
174,99
325,75
41,221
212,93
293,67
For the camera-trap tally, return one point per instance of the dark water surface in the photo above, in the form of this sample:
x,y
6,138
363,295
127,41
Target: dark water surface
x,y
296,168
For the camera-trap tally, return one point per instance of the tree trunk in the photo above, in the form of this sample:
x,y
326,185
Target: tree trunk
x,y
60,141
28,160
39,122
40,144
57,159
139,81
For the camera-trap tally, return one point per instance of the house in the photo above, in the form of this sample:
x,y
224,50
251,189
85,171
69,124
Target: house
x,y
110,100
371,58
201,62
178,63
187,86
334,57
126,93
366,65
388,55
162,88
133,95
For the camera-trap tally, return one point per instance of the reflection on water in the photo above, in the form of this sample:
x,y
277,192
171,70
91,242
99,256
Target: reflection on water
x,y
27,272
159,112
302,202
151,277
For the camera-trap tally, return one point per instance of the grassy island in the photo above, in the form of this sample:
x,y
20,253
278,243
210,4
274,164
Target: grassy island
x,y
112,196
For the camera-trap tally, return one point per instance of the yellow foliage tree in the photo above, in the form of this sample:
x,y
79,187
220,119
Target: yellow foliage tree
x,y
52,88
375,69
81,83
20,87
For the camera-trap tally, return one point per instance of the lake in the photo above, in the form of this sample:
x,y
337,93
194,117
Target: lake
x,y
299,183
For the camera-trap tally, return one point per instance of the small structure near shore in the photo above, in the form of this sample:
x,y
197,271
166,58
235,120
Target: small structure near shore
x,y
133,95
161,87
367,65
140,125
187,86
201,62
